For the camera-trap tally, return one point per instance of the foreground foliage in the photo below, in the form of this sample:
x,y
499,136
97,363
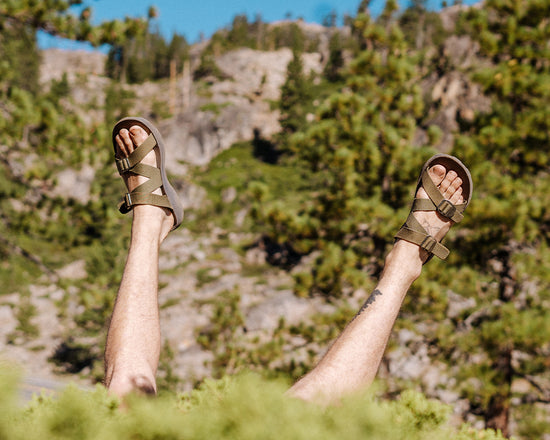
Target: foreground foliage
x,y
343,209
244,407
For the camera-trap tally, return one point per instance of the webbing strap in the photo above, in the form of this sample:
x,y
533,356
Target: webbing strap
x,y
126,164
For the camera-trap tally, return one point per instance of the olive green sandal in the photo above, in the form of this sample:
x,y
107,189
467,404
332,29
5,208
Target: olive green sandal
x,y
412,230
143,194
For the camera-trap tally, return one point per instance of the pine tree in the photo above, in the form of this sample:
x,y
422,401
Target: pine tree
x,y
146,57
21,59
359,146
422,28
335,63
54,17
294,94
505,339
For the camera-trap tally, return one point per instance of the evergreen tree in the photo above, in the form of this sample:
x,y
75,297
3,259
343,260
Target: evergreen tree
x,y
20,21
294,94
54,17
239,34
360,148
335,63
287,35
422,28
507,247
146,57
20,56
208,67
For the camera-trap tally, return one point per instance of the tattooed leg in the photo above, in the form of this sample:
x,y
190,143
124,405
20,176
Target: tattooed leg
x,y
353,360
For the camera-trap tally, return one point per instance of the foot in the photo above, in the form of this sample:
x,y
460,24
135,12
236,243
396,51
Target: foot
x,y
127,141
450,186
408,255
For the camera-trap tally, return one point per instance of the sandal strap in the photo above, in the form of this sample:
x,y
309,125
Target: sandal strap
x,y
126,164
153,175
445,208
437,202
156,177
143,193
136,198
414,232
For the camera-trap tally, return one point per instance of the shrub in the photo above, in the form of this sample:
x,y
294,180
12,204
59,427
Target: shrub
x,y
243,407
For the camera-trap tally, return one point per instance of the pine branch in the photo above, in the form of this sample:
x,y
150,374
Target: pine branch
x,y
18,250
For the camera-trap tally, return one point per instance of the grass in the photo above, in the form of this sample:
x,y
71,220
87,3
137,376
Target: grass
x,y
17,272
204,276
254,270
214,107
237,167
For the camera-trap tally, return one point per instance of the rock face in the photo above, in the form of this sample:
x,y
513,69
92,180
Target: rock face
x,y
454,96
56,62
208,117
234,109
75,184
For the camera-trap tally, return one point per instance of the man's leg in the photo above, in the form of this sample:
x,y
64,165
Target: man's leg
x,y
352,361
133,341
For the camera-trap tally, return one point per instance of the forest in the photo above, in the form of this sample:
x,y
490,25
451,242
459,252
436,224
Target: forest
x,y
324,197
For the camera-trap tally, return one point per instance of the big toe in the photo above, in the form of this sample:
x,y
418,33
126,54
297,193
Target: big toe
x,y
437,173
138,135
128,140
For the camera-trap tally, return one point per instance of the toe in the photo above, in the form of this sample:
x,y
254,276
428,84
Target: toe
x,y
126,140
437,173
452,188
447,181
122,151
138,135
457,198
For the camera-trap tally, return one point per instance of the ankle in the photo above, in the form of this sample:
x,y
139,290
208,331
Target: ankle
x,y
405,259
151,221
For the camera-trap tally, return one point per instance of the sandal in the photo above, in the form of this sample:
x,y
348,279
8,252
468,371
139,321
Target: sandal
x,y
412,230
143,194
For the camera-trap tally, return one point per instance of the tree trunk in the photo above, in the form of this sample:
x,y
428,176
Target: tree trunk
x,y
498,413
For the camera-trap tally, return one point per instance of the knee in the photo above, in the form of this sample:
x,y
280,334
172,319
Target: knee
x,y
122,384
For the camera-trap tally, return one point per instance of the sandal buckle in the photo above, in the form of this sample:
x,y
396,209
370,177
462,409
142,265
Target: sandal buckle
x,y
128,200
123,165
429,243
446,209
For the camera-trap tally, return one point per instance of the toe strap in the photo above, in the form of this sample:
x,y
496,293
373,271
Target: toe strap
x,y
437,202
127,164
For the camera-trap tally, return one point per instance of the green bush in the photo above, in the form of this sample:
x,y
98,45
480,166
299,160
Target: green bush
x,y
244,407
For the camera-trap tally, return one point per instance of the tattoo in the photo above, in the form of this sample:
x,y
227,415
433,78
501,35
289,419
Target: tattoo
x,y
370,300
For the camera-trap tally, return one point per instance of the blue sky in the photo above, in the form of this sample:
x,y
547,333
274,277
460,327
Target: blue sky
x,y
193,17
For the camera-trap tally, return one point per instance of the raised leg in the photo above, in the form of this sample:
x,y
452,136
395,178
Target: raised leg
x,y
133,340
352,361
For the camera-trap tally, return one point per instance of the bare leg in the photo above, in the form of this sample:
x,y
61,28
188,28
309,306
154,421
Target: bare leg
x,y
133,341
353,360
